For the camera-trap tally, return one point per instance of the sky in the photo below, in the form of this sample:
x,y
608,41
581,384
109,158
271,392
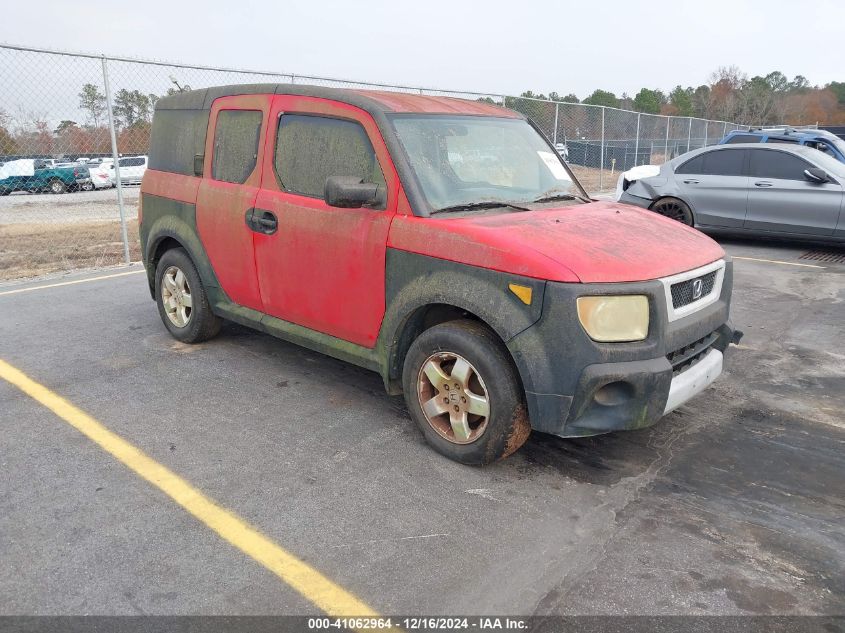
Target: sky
x,y
497,47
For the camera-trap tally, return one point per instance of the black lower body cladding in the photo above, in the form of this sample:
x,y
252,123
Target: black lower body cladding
x,y
575,386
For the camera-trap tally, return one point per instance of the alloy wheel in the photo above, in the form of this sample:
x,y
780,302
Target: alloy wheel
x,y
453,397
673,210
176,296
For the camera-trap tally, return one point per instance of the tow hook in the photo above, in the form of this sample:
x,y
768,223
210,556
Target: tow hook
x,y
737,336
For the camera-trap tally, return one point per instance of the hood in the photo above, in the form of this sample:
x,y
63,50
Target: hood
x,y
600,242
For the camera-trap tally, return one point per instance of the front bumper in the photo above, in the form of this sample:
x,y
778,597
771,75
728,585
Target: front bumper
x,y
577,387
694,380
637,201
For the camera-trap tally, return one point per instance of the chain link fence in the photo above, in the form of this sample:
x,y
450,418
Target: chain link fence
x,y
79,124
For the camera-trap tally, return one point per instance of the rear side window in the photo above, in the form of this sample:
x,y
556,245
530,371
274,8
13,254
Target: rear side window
x,y
309,149
177,136
726,162
780,165
692,166
235,145
744,138
780,139
131,162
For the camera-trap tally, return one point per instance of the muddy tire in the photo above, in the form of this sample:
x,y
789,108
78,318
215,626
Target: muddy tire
x,y
674,209
57,186
182,301
464,394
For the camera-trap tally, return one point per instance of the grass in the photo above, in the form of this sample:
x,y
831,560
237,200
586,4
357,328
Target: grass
x,y
30,250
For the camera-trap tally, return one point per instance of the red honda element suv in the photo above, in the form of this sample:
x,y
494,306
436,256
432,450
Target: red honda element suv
x,y
442,243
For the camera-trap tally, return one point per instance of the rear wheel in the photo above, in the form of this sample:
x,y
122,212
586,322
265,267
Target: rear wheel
x,y
87,186
463,392
674,209
57,186
182,301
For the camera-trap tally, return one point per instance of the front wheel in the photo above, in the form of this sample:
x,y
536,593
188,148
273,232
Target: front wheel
x,y
182,301
463,392
674,209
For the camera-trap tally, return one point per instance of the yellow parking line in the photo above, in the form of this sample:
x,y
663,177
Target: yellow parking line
x,y
311,584
776,261
70,283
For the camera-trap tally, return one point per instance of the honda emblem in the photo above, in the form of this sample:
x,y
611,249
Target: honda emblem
x,y
697,287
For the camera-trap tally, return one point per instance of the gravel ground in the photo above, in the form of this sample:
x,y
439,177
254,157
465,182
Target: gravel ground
x,y
68,208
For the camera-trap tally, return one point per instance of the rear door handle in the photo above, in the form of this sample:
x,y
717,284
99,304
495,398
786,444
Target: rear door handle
x,y
691,181
762,183
262,221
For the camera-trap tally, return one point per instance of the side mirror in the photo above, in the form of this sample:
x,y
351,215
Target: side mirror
x,y
350,192
814,174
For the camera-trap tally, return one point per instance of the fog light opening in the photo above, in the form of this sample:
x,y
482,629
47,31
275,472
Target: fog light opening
x,y
614,393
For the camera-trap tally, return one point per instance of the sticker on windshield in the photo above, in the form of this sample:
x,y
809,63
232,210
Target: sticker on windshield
x,y
553,163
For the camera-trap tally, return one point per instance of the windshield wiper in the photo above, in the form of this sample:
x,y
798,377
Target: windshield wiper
x,y
561,196
470,206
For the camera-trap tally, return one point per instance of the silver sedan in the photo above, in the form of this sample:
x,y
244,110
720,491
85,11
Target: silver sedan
x,y
764,190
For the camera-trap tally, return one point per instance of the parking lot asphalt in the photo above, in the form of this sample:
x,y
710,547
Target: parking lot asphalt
x,y
734,504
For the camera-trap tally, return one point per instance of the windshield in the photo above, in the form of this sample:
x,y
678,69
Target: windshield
x,y
838,143
466,161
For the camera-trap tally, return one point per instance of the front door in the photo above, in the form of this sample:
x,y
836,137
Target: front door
x,y
318,266
781,199
237,128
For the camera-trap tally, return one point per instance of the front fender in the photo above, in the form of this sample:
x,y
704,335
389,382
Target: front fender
x,y
415,282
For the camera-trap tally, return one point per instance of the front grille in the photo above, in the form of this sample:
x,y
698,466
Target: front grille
x,y
683,292
688,355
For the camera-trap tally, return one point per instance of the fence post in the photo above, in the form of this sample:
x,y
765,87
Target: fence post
x,y
725,130
116,159
557,109
689,134
666,151
637,141
601,152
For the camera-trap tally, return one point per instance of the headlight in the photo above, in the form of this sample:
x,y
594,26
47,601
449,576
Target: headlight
x,y
614,319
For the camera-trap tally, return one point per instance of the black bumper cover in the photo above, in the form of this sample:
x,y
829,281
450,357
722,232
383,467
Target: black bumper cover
x,y
565,373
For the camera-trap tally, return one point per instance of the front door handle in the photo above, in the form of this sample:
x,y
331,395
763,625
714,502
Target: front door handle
x,y
262,221
762,183
691,181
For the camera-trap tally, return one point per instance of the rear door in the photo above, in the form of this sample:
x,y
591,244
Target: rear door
x,y
322,267
781,199
231,178
715,185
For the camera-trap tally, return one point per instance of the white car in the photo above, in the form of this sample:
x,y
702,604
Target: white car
x,y
101,174
132,170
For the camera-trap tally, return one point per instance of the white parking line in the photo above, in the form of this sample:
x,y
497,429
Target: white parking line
x,y
70,283
775,261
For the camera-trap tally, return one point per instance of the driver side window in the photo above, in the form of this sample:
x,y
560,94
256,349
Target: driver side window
x,y
310,149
